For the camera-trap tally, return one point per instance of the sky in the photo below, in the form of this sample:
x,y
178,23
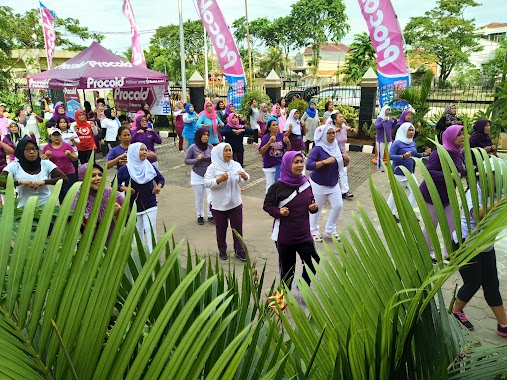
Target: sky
x,y
105,16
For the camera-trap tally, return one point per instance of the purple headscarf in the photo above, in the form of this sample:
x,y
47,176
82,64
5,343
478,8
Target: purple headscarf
x,y
403,116
479,139
57,115
228,109
286,175
449,137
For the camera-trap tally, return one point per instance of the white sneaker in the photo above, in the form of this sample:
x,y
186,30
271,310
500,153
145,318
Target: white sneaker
x,y
336,236
317,238
182,151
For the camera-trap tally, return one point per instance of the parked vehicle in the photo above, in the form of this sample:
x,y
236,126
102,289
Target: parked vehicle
x,y
342,95
305,93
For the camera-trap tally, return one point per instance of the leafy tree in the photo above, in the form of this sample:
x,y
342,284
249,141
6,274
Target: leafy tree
x,y
274,60
317,22
496,66
446,34
465,76
255,29
360,58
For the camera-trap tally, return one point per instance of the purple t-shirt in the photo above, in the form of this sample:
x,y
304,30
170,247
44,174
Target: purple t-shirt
x,y
3,154
273,156
117,151
148,138
384,127
59,158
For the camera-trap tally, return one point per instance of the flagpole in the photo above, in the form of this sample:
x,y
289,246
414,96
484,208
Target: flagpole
x,y
205,61
182,56
249,49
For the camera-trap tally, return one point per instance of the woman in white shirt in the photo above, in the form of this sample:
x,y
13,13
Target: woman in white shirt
x,y
32,176
110,126
224,177
30,121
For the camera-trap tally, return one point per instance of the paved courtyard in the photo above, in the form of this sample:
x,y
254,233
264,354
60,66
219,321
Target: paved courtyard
x,y
176,206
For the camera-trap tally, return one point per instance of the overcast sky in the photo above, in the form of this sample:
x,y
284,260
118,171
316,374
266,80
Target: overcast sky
x,y
105,16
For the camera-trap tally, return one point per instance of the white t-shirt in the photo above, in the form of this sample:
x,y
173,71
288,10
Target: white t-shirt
x,y
111,127
25,192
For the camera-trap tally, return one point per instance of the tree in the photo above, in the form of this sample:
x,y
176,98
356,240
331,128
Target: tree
x,y
317,22
496,66
360,58
446,34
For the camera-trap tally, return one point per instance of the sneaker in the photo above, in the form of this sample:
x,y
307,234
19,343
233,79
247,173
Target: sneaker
x,y
336,236
223,255
200,220
501,329
460,316
241,255
317,238
347,195
182,151
211,220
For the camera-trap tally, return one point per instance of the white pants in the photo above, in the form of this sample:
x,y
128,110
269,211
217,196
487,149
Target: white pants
x,y
404,183
336,201
344,180
146,224
199,200
270,177
381,147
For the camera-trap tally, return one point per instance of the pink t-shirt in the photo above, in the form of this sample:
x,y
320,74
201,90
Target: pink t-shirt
x,y
59,158
341,138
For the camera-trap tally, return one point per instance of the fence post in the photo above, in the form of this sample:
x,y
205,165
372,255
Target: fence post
x,y
196,86
369,84
273,85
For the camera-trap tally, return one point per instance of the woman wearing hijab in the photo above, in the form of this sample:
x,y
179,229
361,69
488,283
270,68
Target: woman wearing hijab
x,y
400,153
145,109
147,136
384,126
295,130
253,114
190,120
59,112
407,117
325,162
447,120
32,176
88,109
199,156
342,129
229,108
145,181
453,141
86,132
15,135
63,156
224,177
311,120
110,126
208,118
30,121
263,117
6,149
276,111
179,123
481,138
289,201
272,147
234,133
97,174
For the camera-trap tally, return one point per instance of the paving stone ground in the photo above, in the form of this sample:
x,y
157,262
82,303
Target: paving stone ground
x,y
176,207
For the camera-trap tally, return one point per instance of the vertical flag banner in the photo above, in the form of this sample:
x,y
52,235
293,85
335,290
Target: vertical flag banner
x,y
48,19
137,50
226,49
387,40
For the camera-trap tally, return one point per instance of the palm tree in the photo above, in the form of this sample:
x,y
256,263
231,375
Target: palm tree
x,y
274,60
360,58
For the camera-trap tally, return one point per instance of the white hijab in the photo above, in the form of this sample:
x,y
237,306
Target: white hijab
x,y
329,120
401,134
140,171
296,124
320,138
382,113
232,168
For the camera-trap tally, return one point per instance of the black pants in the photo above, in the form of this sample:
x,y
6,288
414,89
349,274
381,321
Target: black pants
x,y
112,144
287,260
481,271
307,144
238,157
84,156
66,186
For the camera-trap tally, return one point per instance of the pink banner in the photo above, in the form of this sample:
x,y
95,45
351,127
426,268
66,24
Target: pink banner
x,y
49,32
386,36
222,39
137,50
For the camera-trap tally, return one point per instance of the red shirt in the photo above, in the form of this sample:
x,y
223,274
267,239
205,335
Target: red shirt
x,y
85,135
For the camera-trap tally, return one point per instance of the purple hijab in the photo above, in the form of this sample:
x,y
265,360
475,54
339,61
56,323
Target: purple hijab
x,y
228,109
403,116
56,115
479,139
286,175
449,137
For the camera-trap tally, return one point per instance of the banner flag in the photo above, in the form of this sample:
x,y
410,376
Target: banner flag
x,y
137,50
48,19
387,40
227,51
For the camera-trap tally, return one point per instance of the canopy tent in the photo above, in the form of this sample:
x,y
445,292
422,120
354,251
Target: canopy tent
x,y
96,68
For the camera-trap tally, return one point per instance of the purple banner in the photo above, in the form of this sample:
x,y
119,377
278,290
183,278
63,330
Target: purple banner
x,y
48,20
137,50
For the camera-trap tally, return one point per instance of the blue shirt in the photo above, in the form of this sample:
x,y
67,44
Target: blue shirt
x,y
203,119
398,149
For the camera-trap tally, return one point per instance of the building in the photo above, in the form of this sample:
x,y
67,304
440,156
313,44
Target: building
x,y
489,37
332,59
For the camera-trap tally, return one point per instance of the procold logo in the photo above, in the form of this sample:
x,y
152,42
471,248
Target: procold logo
x,y
70,91
105,83
38,83
142,94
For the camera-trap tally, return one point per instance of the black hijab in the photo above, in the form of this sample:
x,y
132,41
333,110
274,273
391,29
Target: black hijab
x,y
19,153
108,112
197,139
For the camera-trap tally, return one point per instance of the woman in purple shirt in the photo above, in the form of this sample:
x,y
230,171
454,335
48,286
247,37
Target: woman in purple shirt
x,y
325,161
384,126
288,201
342,130
453,141
147,136
199,156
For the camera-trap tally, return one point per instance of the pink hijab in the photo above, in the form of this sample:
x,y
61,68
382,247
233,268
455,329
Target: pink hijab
x,y
281,118
211,115
229,121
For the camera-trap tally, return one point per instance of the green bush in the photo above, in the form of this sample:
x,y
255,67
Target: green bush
x,y
260,96
12,100
300,104
350,114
